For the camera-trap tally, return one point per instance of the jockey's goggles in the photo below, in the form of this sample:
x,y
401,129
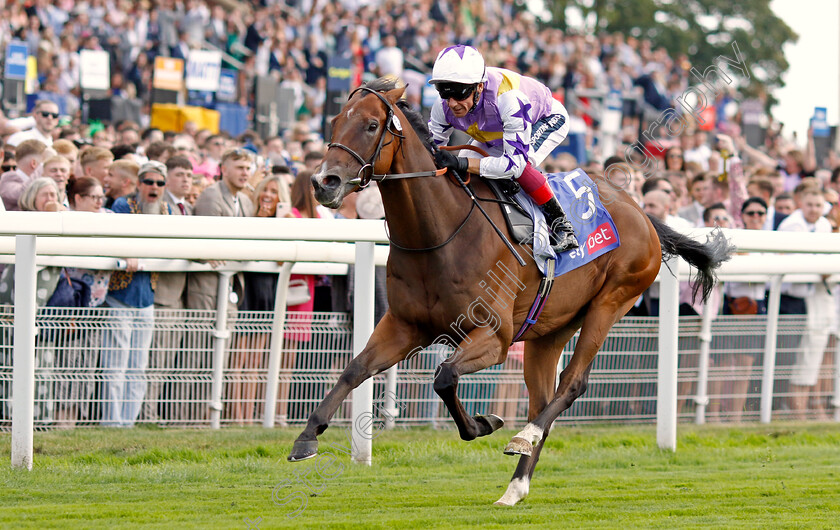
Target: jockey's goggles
x,y
457,91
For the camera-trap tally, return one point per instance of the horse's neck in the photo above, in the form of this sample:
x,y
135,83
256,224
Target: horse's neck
x,y
422,211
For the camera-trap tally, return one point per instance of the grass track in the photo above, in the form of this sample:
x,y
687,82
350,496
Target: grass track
x,y
777,476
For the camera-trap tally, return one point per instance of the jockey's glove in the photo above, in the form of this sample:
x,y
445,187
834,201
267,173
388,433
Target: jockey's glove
x,y
447,159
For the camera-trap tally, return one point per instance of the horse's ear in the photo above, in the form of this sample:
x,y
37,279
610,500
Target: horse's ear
x,y
394,95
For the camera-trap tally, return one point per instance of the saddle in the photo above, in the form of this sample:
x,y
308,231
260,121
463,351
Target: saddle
x,y
519,223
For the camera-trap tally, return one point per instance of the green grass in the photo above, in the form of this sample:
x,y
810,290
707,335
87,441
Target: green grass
x,y
778,476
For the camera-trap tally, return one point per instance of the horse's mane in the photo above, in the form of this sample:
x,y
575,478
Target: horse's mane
x,y
415,119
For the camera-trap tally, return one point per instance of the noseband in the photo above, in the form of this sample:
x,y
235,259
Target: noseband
x,y
366,172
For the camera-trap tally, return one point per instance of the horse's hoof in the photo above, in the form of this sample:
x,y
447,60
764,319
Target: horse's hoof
x,y
489,423
500,503
519,446
303,450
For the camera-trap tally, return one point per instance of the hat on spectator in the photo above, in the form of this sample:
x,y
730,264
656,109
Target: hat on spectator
x,y
152,166
369,203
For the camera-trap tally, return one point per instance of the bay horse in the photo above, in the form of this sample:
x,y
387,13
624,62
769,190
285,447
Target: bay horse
x,y
440,253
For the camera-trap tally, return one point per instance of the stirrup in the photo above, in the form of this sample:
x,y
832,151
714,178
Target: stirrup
x,y
564,241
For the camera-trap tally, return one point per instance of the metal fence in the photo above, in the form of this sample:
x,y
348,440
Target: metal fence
x,y
71,379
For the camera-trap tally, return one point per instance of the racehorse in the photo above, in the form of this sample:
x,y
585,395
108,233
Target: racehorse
x,y
438,257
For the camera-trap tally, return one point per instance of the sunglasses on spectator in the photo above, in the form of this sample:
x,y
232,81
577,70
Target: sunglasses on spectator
x,y
96,198
721,218
49,114
456,91
674,155
752,213
150,182
8,168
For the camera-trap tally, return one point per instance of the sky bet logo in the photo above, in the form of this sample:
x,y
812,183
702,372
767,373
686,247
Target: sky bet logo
x,y
602,236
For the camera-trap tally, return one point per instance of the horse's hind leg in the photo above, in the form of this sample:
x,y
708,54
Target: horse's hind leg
x,y
478,352
596,325
391,342
541,357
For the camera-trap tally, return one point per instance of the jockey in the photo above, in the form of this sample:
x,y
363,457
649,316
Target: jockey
x,y
512,117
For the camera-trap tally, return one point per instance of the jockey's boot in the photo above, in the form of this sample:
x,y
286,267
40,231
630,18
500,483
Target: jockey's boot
x,y
561,230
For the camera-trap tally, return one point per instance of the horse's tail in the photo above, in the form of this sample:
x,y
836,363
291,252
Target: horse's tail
x,y
705,257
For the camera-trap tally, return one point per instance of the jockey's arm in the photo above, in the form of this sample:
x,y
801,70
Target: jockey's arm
x,y
438,125
512,155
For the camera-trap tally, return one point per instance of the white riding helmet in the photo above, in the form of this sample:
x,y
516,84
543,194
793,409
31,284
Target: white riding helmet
x,y
458,64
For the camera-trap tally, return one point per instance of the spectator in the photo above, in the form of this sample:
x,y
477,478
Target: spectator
x,y
68,150
29,154
95,162
259,294
225,199
160,151
170,298
58,169
804,299
74,395
213,148
121,181
298,317
742,352
125,349
198,185
45,113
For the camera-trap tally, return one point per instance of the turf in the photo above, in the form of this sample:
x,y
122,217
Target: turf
x,y
777,476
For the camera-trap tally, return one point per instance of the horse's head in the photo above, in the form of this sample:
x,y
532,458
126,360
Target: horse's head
x,y
364,138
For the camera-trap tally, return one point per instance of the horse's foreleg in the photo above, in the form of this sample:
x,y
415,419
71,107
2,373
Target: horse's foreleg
x,y
390,343
479,352
541,357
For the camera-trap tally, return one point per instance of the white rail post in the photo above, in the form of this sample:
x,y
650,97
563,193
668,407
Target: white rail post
x,y
768,370
362,329
275,349
23,376
220,336
666,395
702,397
835,401
390,402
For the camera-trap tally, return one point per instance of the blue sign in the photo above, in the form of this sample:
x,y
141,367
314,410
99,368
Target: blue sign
x,y
339,74
430,95
16,56
227,85
819,123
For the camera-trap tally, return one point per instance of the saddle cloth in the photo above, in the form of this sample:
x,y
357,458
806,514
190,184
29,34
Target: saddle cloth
x,y
594,227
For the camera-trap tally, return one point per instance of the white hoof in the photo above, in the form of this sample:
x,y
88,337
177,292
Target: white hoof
x,y
516,491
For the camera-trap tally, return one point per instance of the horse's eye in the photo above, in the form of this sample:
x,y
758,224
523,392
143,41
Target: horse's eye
x,y
373,126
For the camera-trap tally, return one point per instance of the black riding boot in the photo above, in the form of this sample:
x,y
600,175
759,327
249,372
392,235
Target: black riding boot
x,y
562,231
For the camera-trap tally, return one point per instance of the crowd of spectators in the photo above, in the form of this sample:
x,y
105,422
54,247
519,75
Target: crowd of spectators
x,y
701,178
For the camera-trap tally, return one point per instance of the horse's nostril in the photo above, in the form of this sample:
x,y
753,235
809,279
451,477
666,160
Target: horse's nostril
x,y
330,182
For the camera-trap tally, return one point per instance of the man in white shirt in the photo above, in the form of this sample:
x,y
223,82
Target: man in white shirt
x,y
45,114
805,299
389,58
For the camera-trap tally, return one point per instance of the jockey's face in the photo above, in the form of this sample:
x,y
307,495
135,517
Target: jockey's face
x,y
460,107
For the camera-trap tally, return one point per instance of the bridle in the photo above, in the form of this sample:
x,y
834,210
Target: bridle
x,y
366,171
366,175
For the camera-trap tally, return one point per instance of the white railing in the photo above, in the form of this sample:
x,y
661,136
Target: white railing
x,y
311,240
